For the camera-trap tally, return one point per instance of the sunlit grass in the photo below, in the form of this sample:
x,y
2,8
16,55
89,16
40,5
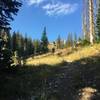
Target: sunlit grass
x,y
49,60
75,55
83,53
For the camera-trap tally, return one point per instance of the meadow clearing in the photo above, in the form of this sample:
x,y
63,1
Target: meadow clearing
x,y
66,55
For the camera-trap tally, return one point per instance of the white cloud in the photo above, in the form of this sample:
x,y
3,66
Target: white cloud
x,y
59,8
35,2
54,7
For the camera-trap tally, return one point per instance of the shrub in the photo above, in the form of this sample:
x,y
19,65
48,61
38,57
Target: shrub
x,y
85,42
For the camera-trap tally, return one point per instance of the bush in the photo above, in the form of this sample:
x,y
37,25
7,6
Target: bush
x,y
85,42
97,40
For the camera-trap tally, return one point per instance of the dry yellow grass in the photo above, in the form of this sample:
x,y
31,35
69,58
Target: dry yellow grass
x,y
83,53
50,60
76,55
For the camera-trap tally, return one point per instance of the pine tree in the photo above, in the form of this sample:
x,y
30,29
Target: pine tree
x,y
37,48
14,43
5,53
44,42
98,22
30,48
22,46
9,41
59,42
19,44
75,39
7,9
69,40
25,45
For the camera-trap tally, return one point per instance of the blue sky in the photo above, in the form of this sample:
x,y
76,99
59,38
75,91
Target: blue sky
x,y
59,16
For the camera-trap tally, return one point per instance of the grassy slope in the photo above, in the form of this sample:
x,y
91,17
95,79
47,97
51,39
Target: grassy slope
x,y
75,55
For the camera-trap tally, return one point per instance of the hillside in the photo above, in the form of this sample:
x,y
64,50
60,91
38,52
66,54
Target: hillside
x,y
67,55
78,79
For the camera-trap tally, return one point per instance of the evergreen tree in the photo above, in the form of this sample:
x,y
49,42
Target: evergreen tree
x,y
22,46
75,39
14,43
25,45
7,9
69,40
98,22
9,41
37,48
30,48
59,42
44,42
5,53
19,44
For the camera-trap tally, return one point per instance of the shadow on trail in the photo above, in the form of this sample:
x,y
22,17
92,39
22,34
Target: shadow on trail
x,y
60,82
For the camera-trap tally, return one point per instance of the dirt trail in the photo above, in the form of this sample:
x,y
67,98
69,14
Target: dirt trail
x,y
66,82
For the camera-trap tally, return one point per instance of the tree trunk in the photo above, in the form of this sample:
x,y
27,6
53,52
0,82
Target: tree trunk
x,y
91,22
